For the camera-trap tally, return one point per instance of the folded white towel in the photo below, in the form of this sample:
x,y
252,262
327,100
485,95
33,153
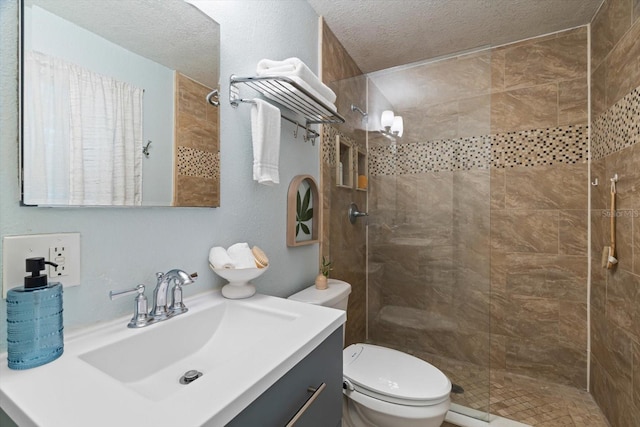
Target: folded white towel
x,y
294,67
242,256
219,258
265,132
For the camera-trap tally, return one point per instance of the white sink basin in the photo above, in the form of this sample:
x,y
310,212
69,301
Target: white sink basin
x,y
112,375
152,363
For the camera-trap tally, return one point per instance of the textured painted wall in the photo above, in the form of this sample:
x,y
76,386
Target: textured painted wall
x,y
124,247
615,294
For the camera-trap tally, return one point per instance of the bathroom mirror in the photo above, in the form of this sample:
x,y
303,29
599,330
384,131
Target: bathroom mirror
x,y
114,108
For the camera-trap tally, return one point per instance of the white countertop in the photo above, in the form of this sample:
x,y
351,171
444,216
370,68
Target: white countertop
x,y
71,392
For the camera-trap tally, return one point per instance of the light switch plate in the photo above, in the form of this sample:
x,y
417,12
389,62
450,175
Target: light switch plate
x,y
15,249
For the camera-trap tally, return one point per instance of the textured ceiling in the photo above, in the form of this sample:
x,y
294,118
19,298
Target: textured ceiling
x,y
171,32
380,34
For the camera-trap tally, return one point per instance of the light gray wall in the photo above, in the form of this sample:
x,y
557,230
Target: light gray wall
x,y
123,247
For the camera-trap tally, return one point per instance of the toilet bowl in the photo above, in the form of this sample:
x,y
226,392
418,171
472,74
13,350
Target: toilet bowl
x,y
383,387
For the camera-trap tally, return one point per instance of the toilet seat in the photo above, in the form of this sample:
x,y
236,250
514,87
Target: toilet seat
x,y
392,376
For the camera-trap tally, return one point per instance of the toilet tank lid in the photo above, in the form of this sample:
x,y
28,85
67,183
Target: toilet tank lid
x,y
336,290
394,376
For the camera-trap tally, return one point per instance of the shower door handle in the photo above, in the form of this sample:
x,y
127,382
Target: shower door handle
x,y
354,213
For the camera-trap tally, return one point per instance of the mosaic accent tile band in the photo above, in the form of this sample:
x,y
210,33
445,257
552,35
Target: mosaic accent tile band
x,y
328,148
541,147
537,147
198,163
618,127
329,144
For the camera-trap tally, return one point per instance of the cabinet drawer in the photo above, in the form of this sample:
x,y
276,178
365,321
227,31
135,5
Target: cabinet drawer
x,y
282,401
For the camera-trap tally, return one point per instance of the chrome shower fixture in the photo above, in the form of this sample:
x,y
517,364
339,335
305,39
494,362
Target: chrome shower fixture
x,y
365,116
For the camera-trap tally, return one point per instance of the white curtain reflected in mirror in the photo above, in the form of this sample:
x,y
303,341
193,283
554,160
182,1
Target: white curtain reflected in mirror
x,y
84,133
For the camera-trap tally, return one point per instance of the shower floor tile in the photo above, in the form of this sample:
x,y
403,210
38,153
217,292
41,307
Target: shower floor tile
x,y
540,403
520,398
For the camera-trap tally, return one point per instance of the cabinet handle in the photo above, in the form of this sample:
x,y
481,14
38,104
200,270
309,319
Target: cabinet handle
x,y
309,402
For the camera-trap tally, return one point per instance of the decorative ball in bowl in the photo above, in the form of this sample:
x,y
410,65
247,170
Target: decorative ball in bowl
x,y
239,285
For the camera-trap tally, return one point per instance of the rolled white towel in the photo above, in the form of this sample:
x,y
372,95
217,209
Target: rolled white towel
x,y
242,256
219,258
294,67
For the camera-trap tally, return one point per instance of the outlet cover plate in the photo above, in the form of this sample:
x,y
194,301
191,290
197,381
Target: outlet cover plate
x,y
15,249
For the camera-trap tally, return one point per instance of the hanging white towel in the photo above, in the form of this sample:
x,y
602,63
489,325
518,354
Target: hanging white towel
x,y
265,132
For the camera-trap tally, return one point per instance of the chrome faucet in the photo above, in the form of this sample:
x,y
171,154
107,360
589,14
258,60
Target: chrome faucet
x,y
161,309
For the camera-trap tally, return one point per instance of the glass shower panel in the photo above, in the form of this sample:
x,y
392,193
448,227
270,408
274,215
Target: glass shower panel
x,y
429,216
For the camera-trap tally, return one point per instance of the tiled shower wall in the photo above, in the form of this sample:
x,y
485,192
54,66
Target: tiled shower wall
x,y
342,242
539,211
615,301
197,146
478,231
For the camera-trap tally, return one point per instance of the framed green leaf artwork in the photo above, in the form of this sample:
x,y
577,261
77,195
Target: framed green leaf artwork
x,y
303,211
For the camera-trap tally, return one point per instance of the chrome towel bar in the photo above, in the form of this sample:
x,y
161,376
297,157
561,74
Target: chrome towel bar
x,y
288,94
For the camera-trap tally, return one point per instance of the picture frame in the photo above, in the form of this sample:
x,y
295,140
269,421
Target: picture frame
x,y
303,211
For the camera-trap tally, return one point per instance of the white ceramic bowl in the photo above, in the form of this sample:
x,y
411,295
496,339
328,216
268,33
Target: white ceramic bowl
x,y
239,285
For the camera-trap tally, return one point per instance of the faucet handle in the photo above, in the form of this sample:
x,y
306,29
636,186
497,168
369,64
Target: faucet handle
x,y
177,306
140,312
124,292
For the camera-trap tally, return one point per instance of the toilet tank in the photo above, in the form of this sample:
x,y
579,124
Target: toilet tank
x,y
336,295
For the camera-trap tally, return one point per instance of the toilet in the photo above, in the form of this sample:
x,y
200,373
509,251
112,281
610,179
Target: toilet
x,y
383,387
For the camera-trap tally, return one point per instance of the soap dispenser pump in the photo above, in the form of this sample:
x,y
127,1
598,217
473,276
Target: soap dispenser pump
x,y
35,266
34,319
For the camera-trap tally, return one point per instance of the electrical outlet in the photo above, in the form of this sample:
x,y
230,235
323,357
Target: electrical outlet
x,y
58,255
61,248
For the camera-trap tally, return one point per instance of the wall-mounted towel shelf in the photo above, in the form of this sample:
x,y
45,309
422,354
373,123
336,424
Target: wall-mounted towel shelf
x,y
290,95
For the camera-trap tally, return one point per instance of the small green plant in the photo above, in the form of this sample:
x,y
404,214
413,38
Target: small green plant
x,y
325,268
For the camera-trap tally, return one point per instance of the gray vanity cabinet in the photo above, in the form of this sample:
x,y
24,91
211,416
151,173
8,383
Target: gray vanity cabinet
x,y
280,403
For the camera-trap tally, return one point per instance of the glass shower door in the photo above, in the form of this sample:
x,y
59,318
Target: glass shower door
x,y
429,205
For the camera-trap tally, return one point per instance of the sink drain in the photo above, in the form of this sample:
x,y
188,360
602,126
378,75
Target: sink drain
x,y
190,376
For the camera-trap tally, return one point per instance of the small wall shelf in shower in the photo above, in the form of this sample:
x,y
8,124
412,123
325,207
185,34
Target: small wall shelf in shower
x,y
344,163
289,94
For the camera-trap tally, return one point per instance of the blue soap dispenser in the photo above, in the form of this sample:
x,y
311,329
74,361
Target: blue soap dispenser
x,y
34,319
